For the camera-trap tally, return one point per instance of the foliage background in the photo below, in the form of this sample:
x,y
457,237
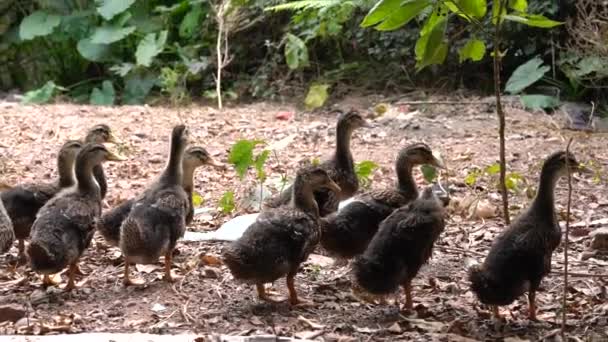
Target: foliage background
x,y
123,51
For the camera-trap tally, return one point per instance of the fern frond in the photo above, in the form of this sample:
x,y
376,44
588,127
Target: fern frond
x,y
306,4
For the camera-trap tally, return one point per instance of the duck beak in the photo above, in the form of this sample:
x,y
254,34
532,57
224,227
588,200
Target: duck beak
x,y
333,186
114,139
582,169
113,156
367,124
438,161
4,186
215,163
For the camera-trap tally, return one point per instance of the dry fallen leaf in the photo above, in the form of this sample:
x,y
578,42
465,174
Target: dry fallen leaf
x,y
211,260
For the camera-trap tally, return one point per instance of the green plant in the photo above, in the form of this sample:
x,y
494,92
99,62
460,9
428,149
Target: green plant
x,y
227,204
514,180
243,158
364,170
526,75
41,95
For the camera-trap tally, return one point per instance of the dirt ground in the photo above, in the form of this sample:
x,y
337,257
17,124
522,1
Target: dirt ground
x,y
207,299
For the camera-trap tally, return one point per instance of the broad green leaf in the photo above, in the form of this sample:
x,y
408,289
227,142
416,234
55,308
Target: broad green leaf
x,y
104,96
431,48
296,52
315,162
471,178
109,34
191,22
429,173
525,75
138,86
316,97
512,180
241,155
468,8
109,8
227,202
380,12
122,69
364,169
41,95
403,15
94,52
493,169
38,24
474,50
518,5
536,102
197,199
535,20
502,5
259,162
150,47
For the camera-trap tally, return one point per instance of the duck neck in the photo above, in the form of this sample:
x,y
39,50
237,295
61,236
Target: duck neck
x,y
173,173
545,199
405,179
188,178
303,198
65,168
343,154
85,178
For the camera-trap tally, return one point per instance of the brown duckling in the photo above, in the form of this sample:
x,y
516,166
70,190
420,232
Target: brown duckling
x,y
7,235
521,255
347,232
100,134
341,168
402,245
110,222
22,202
65,225
158,217
282,238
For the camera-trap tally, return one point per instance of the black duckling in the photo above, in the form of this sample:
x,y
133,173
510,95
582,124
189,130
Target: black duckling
x,y
100,134
341,168
346,233
282,238
22,202
521,255
158,217
404,243
65,225
110,222
7,235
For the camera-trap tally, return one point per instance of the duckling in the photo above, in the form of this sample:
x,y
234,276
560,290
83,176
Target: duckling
x,y
521,255
282,238
7,235
110,222
404,242
22,202
341,168
347,232
65,225
100,134
158,217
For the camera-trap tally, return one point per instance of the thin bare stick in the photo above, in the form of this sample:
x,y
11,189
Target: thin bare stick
x,y
440,102
564,299
582,275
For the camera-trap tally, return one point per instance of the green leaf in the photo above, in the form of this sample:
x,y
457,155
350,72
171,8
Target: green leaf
x,y
364,169
241,155
109,8
525,75
382,10
537,102
296,52
316,97
468,8
495,8
38,24
259,162
94,52
315,162
191,22
431,48
518,5
109,34
474,50
150,47
512,180
41,95
197,199
403,15
227,202
429,173
302,5
104,96
138,86
493,169
471,177
535,20
122,69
